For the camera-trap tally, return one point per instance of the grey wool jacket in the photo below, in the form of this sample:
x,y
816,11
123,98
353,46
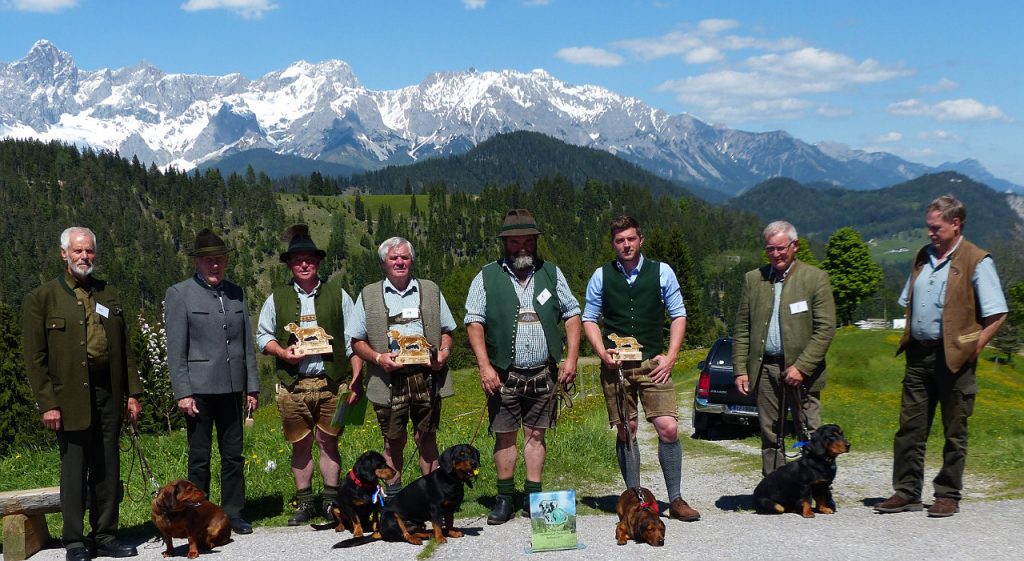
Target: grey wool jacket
x,y
210,348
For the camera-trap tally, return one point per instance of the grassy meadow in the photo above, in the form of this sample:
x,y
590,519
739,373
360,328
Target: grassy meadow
x,y
862,395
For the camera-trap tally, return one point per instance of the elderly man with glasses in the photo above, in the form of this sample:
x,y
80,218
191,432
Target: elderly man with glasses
x,y
785,323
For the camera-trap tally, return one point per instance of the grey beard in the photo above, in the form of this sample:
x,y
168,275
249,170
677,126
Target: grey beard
x,y
78,273
522,262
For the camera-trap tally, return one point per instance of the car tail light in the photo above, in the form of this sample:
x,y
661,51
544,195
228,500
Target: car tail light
x,y
704,384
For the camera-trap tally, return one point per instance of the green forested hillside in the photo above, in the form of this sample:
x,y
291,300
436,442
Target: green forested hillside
x,y
516,158
883,213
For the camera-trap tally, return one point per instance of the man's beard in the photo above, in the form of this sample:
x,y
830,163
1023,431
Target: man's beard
x,y
77,272
522,262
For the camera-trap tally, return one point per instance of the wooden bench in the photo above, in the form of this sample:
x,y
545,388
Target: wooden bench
x,y
25,530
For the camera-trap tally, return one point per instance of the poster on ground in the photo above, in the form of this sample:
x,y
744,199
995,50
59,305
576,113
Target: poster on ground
x,y
553,520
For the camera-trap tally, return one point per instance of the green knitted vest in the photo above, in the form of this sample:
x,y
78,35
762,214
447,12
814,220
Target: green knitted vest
x,y
329,315
503,309
636,310
378,381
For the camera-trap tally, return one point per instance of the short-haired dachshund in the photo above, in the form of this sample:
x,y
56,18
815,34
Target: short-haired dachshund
x,y
639,518
180,510
792,487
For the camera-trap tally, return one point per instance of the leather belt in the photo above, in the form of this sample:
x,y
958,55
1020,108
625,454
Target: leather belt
x,y
775,359
929,343
528,317
528,371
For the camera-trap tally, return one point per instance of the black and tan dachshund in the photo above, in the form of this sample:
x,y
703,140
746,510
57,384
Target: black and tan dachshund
x,y
435,497
357,508
792,487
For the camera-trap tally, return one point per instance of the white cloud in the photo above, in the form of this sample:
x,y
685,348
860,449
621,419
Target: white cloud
x,y
536,2
833,112
964,109
249,9
592,56
939,135
44,6
474,4
944,84
766,82
699,41
892,136
702,55
717,25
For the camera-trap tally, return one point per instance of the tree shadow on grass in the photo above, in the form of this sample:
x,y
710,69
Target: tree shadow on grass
x,y
604,503
267,506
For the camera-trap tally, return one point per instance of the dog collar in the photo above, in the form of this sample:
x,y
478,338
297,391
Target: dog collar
x,y
649,505
357,481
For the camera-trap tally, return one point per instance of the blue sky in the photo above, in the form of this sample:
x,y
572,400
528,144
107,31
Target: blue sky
x,y
929,81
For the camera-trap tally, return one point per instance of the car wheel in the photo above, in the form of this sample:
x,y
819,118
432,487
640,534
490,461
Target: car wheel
x,y
702,423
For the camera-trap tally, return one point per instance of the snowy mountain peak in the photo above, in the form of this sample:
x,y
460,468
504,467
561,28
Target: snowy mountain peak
x,y
321,111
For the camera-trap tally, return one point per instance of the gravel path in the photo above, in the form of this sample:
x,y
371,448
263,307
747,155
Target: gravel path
x,y
728,529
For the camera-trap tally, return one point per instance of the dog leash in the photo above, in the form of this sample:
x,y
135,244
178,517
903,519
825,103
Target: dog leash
x,y
798,420
620,405
144,470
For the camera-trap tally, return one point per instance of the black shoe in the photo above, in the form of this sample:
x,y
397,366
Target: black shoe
x,y
114,548
77,554
502,511
240,526
303,513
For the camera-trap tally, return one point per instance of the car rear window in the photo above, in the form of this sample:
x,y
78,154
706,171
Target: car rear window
x,y
721,355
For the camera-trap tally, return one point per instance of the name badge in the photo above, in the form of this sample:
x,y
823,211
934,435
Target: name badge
x,y
798,307
544,296
410,313
102,310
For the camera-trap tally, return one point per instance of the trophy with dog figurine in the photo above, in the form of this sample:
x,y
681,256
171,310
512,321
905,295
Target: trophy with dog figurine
x,y
412,349
310,340
626,348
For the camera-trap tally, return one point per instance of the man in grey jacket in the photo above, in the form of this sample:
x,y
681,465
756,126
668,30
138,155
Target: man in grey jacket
x,y
213,369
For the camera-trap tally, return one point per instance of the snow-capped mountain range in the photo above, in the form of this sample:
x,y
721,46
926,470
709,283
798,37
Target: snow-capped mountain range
x,y
321,111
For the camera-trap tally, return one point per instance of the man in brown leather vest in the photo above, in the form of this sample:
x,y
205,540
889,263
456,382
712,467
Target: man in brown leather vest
x,y
954,307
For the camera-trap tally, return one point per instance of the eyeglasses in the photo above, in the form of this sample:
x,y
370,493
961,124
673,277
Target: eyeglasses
x,y
777,248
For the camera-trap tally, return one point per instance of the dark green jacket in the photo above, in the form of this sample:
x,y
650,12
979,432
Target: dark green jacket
x,y
53,326
806,335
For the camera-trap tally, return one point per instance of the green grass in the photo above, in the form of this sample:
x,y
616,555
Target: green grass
x,y
862,395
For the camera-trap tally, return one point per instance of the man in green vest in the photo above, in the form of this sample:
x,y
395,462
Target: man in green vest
x,y
403,308
83,375
309,384
784,326
954,305
633,294
513,309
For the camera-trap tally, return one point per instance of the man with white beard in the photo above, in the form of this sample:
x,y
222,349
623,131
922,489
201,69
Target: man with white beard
x,y
84,378
513,310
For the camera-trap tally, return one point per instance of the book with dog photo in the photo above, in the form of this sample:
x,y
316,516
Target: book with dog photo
x,y
553,520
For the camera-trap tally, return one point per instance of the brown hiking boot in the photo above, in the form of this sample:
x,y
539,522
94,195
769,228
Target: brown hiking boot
x,y
943,507
897,503
682,511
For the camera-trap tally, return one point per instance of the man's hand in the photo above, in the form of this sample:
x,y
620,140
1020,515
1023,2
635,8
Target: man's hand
x,y
793,376
743,384
134,409
489,380
663,372
288,355
187,405
387,362
252,401
567,372
609,359
51,419
438,360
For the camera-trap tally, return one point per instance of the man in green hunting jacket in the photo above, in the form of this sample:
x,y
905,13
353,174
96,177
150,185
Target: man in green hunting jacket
x,y
83,377
785,323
